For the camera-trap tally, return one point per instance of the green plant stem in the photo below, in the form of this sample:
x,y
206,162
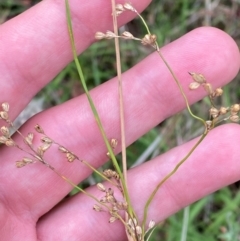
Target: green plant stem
x,y
167,177
95,113
179,85
143,21
185,223
99,173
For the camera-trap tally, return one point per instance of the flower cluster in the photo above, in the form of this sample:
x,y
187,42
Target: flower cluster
x,y
214,112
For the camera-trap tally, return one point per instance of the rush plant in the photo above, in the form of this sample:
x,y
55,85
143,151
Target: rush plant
x,y
116,198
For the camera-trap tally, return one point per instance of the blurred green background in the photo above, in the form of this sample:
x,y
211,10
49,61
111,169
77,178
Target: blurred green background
x,y
216,217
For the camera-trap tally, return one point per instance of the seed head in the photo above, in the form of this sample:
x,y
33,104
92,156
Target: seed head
x,y
122,205
128,6
5,131
3,115
127,35
46,139
101,187
139,230
149,39
110,35
235,108
113,143
29,138
119,9
20,164
24,162
208,124
151,224
223,110
112,219
208,88
10,143
3,139
234,118
5,106
194,85
63,149
39,129
199,78
100,35
70,157
214,112
218,92
97,208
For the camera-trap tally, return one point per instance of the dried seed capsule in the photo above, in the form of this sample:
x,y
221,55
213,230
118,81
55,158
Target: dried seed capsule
x,y
112,219
97,208
234,118
5,131
70,156
5,106
151,224
194,85
148,39
223,110
101,187
127,35
139,230
110,35
3,139
20,164
10,143
39,129
214,112
208,124
107,173
208,88
119,9
46,139
29,138
113,143
199,78
100,35
63,149
3,115
27,160
235,108
129,7
218,92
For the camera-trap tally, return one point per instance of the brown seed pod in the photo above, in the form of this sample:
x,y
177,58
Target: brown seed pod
x,y
100,35
39,129
199,78
5,131
194,85
5,106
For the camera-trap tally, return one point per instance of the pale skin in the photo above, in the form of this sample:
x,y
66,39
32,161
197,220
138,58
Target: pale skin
x,y
34,47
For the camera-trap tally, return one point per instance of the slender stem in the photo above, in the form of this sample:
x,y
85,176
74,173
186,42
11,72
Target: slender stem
x,y
167,177
120,91
99,173
178,84
144,23
95,113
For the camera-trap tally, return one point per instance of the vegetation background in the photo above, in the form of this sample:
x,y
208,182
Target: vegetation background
x,y
216,217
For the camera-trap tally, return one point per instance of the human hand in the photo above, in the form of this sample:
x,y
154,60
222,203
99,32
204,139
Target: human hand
x,y
39,42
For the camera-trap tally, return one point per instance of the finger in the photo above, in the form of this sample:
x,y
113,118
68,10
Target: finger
x,y
151,95
214,164
39,38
